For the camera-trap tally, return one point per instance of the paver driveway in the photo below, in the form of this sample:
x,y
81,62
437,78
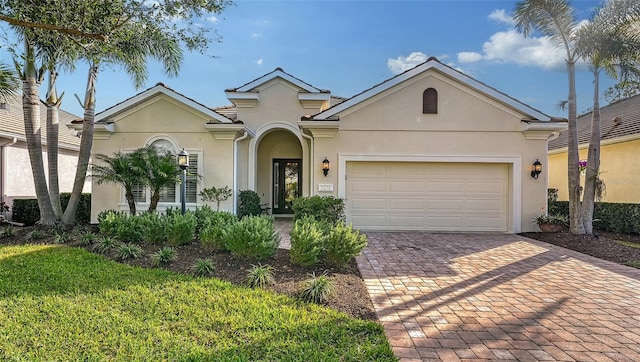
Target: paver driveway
x,y
472,297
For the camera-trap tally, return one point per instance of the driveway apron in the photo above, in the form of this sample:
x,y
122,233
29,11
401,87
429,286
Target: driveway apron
x,y
457,297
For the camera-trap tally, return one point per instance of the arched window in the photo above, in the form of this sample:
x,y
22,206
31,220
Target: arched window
x,y
430,101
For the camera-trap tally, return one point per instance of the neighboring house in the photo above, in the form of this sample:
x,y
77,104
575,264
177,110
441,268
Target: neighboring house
x,y
620,147
429,149
16,177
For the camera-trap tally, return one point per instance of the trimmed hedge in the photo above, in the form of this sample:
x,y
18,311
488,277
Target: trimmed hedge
x,y
27,212
608,216
322,208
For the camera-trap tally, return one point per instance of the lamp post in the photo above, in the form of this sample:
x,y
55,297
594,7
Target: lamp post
x,y
183,162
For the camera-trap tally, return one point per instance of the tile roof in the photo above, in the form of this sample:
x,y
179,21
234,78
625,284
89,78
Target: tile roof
x,y
12,123
617,120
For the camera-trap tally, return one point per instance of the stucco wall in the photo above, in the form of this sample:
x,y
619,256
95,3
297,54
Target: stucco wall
x,y
161,117
620,171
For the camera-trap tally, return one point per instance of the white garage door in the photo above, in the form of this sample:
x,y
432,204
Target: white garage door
x,y
427,196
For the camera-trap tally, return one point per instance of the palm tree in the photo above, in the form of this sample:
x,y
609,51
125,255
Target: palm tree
x,y
9,83
610,42
134,47
158,169
120,170
556,20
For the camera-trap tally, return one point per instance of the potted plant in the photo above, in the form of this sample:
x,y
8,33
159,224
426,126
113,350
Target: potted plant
x,y
551,223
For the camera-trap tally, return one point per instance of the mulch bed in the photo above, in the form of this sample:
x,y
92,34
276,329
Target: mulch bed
x,y
349,291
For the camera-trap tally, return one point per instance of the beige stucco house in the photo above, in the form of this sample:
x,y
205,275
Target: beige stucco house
x,y
429,149
620,147
16,177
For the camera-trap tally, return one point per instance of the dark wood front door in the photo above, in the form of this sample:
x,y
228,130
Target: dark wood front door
x,y
287,184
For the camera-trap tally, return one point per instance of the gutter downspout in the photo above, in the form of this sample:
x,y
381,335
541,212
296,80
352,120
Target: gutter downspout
x,y
3,168
313,146
235,170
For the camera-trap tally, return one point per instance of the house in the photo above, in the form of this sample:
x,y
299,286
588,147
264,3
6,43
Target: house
x,y
16,177
620,146
429,149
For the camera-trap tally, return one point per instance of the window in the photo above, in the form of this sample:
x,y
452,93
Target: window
x,y
170,195
430,101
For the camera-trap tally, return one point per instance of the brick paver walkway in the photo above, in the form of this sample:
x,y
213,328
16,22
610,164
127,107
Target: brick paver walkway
x,y
457,297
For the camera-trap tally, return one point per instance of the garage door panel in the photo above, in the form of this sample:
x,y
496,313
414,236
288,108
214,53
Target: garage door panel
x,y
428,196
406,204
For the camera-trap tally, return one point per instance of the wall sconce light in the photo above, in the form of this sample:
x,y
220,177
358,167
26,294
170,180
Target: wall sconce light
x,y
536,169
325,166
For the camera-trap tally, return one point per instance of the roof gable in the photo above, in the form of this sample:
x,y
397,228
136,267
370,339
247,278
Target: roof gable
x,y
276,73
154,91
432,64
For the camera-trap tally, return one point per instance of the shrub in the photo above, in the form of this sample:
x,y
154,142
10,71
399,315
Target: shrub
x,y
323,208
212,236
108,221
83,214
129,251
249,204
7,232
317,289
253,236
104,244
61,238
35,234
25,211
86,238
203,214
260,276
163,256
130,229
180,229
308,238
615,217
343,244
155,226
203,267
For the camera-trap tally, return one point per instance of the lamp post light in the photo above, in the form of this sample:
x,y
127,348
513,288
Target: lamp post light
x,y
183,162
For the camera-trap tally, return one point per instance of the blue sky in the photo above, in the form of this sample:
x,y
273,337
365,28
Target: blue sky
x,y
349,46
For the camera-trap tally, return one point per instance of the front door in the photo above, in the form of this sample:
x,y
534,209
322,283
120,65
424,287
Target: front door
x,y
287,184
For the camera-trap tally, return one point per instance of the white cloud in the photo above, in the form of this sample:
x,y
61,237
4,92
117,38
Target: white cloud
x,y
213,19
469,57
259,61
255,35
501,16
402,64
513,47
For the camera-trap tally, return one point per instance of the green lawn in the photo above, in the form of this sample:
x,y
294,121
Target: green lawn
x,y
63,303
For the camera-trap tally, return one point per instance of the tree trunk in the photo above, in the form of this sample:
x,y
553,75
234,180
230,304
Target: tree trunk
x,y
593,159
33,133
52,143
153,205
575,217
131,201
86,143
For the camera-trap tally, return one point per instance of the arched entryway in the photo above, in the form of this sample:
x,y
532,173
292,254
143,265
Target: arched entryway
x,y
279,169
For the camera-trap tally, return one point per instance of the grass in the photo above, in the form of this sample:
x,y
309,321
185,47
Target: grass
x,y
61,303
635,264
630,244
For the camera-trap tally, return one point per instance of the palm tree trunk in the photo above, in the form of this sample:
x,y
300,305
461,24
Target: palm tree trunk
x,y
593,158
33,134
131,201
52,143
575,217
86,143
153,205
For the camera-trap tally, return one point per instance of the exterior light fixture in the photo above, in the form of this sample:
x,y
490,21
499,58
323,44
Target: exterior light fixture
x,y
326,166
183,163
536,169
